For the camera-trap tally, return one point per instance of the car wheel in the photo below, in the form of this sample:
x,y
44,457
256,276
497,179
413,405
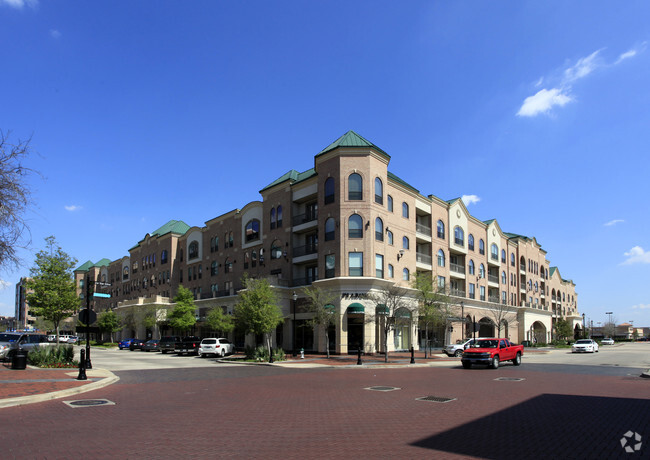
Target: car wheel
x,y
223,353
458,353
200,354
517,360
467,365
495,362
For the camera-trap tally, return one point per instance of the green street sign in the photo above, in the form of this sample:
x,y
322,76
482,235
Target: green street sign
x,y
100,294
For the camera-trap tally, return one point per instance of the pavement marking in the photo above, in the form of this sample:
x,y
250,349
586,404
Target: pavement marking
x,y
88,403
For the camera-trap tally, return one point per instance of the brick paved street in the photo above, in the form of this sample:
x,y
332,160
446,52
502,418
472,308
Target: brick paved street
x,y
273,412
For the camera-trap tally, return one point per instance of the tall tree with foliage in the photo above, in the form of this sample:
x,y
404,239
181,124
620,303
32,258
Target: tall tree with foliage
x,y
183,315
434,307
15,197
107,321
257,311
563,329
321,304
217,320
52,293
390,304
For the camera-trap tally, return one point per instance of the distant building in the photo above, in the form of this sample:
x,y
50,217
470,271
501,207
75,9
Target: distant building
x,y
351,226
7,323
23,318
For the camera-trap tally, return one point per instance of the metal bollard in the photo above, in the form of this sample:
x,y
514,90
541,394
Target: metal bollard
x,y
82,366
359,357
271,356
412,355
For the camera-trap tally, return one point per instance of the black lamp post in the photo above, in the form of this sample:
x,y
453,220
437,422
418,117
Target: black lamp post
x,y
293,335
583,326
462,314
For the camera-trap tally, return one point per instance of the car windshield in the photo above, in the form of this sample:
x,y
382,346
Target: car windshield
x,y
210,341
486,344
583,341
9,337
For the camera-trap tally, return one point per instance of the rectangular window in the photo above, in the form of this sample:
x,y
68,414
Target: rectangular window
x,y
472,293
355,263
482,292
441,282
379,266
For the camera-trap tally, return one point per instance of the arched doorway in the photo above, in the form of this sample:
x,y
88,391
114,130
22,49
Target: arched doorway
x,y
537,333
486,328
356,314
577,332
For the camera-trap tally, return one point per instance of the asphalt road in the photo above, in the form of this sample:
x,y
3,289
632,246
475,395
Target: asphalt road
x,y
553,406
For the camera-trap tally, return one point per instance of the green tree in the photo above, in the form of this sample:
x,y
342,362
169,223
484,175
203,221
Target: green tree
x,y
257,311
390,305
434,306
563,329
107,321
217,320
321,304
52,293
183,315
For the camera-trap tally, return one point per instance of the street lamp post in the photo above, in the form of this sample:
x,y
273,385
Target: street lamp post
x,y
583,326
609,322
293,335
462,314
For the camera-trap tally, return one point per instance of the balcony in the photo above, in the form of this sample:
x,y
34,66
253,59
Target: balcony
x,y
493,278
456,268
494,299
307,249
303,281
457,293
423,258
423,229
304,218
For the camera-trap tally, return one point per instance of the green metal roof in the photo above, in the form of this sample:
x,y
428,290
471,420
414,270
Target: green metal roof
x,y
393,177
551,270
103,263
85,267
292,176
352,139
173,226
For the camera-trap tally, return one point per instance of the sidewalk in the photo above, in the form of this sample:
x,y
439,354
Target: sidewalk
x,y
33,384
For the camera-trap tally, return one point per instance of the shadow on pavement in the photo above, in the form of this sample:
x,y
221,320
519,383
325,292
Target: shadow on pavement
x,y
553,426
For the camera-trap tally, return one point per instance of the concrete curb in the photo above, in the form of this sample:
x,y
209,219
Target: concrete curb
x,y
107,378
646,374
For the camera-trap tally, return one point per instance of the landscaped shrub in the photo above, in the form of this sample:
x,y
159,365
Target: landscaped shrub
x,y
53,357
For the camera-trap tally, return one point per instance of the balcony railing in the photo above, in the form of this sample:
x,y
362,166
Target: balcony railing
x,y
457,268
421,228
457,293
493,278
493,299
304,218
423,258
304,281
305,250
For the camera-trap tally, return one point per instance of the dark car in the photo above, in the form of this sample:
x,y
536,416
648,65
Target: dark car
x,y
12,341
136,344
151,345
168,344
122,344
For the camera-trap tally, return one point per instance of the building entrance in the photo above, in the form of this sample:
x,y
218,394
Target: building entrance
x,y
355,333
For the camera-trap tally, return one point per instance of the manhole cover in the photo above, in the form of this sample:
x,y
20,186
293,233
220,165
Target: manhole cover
x,y
382,388
510,379
89,403
439,399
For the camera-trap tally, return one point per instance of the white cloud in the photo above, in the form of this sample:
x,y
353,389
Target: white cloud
x,y
19,4
55,33
470,199
72,208
582,68
543,102
641,307
637,255
626,55
4,284
613,222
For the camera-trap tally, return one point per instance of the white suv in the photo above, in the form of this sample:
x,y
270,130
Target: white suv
x,y
217,347
457,349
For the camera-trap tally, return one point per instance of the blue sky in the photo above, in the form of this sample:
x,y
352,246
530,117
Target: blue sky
x,y
536,112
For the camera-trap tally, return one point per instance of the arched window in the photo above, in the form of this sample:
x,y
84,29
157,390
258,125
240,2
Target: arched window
x,y
253,230
459,236
494,252
254,258
503,256
441,229
193,251
481,246
276,249
379,229
504,279
273,221
391,271
472,269
389,204
536,286
216,243
481,271
163,256
470,242
512,259
355,226
227,266
231,241
405,243
329,190
405,210
441,258
330,231
279,216
405,274
355,187
389,234
379,191
214,268
125,273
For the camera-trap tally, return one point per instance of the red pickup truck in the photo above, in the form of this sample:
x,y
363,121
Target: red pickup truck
x,y
492,352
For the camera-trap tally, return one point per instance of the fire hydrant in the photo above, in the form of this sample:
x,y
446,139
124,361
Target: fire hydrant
x,y
302,353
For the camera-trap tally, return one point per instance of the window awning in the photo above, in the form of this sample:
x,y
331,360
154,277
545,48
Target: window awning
x,y
403,313
356,308
381,309
330,307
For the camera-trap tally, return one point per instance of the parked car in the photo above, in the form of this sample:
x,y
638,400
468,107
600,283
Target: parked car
x,y
216,347
63,338
122,344
136,344
585,346
12,341
151,345
73,339
458,348
607,341
492,352
189,345
168,344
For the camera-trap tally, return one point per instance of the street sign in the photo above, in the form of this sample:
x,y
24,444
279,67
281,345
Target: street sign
x,y
87,316
101,294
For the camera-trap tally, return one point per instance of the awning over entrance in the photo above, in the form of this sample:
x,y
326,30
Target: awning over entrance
x,y
381,309
356,308
403,313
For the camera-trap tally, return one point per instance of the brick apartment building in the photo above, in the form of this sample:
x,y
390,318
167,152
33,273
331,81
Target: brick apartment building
x,y
351,226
